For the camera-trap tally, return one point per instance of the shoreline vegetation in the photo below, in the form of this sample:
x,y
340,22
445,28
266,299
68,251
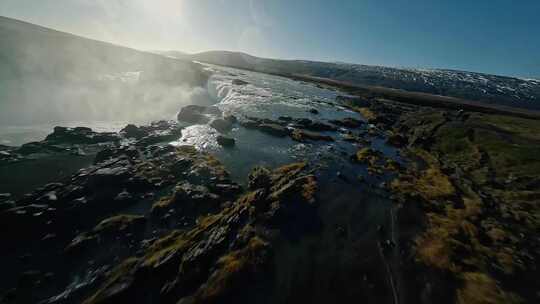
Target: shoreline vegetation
x,y
467,207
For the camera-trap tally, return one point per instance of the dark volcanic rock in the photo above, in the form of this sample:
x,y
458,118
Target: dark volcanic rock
x,y
273,129
160,137
132,131
215,259
231,119
239,82
225,141
348,123
193,114
259,177
222,125
308,124
396,140
114,152
353,101
4,197
192,200
302,136
79,135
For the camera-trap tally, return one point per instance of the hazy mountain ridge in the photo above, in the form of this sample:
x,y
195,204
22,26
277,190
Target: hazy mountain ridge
x,y
503,90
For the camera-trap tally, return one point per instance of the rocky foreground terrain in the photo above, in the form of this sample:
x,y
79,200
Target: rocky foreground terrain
x,y
149,222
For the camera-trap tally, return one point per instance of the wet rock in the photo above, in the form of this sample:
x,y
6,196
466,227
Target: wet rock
x,y
192,114
303,136
230,118
342,176
107,230
31,148
367,155
4,197
225,141
159,137
387,246
259,177
308,124
222,125
132,131
26,220
213,110
29,279
313,111
123,197
182,165
353,101
215,259
109,176
79,135
115,152
7,205
291,206
348,122
227,190
273,129
396,140
191,199
239,82
341,232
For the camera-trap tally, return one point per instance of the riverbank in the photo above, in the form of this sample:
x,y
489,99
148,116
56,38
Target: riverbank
x,y
364,198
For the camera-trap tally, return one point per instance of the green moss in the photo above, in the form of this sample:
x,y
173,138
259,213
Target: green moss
x,y
118,280
431,183
119,223
479,288
369,115
234,270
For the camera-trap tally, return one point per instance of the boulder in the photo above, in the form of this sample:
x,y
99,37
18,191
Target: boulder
x,y
221,125
348,122
259,177
5,196
192,114
231,119
192,199
212,110
302,136
308,124
78,135
396,140
159,137
353,101
274,129
132,131
239,82
31,148
225,141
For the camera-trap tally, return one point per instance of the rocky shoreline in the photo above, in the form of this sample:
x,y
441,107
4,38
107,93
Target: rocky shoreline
x,y
150,222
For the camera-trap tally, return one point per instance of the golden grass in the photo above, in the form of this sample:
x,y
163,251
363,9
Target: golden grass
x,y
479,288
233,271
366,113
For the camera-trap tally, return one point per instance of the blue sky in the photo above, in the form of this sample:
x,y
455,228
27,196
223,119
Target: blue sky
x,y
492,36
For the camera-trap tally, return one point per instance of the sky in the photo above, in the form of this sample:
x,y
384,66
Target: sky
x,y
491,36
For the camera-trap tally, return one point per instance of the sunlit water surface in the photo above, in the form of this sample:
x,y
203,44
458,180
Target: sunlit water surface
x,y
321,265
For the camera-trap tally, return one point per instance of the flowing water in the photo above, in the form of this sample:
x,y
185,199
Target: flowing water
x,y
342,259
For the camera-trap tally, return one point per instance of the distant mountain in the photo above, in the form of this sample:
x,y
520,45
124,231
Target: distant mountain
x,y
173,54
47,75
509,91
